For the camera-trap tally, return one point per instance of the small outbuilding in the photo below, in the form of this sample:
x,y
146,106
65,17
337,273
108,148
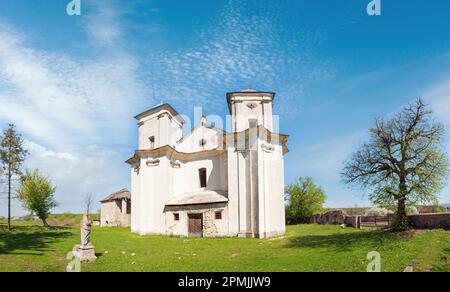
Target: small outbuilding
x,y
116,209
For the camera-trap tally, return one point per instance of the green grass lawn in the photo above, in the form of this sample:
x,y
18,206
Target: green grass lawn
x,y
304,248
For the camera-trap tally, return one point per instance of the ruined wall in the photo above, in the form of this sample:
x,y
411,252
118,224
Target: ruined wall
x,y
330,217
111,215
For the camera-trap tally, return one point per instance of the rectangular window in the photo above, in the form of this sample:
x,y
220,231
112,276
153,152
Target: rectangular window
x,y
202,176
218,215
176,216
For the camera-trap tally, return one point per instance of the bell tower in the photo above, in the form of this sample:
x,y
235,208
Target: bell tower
x,y
250,108
159,126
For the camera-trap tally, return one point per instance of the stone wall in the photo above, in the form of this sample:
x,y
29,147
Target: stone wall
x,y
430,221
211,227
421,221
111,215
330,217
354,221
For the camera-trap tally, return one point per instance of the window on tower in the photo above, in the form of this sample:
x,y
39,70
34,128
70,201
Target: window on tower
x,y
252,123
152,142
202,177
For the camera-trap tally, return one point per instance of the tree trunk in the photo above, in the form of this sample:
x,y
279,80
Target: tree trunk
x,y
44,221
9,199
401,222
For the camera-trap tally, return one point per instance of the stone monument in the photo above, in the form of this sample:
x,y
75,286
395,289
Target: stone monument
x,y
85,251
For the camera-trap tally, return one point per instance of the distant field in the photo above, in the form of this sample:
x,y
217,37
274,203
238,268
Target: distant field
x,y
31,247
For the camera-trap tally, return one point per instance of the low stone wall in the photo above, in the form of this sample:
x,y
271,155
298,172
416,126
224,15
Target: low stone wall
x,y
330,217
430,221
354,221
421,221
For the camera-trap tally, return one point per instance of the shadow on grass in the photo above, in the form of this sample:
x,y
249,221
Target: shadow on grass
x,y
30,240
343,242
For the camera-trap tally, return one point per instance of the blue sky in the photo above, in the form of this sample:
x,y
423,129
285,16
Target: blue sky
x,y
73,84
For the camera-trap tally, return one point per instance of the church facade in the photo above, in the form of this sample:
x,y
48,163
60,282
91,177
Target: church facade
x,y
210,182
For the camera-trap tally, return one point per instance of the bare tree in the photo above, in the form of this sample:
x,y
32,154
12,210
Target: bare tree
x,y
403,163
88,203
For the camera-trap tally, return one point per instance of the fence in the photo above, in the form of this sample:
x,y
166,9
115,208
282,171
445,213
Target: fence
x,y
376,221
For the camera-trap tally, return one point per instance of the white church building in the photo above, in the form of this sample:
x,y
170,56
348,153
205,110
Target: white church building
x,y
210,182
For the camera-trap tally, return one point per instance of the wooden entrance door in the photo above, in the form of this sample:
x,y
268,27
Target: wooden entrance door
x,y
195,225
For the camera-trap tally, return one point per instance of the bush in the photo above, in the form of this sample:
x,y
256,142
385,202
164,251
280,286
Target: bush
x,y
36,193
304,200
437,209
376,211
411,210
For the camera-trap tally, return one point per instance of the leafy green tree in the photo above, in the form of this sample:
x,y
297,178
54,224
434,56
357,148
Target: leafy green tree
x,y
12,156
304,200
37,194
403,163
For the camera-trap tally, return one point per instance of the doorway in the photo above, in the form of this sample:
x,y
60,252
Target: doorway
x,y
195,225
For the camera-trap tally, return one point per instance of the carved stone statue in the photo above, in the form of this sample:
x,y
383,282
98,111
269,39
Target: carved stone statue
x,y
85,251
85,230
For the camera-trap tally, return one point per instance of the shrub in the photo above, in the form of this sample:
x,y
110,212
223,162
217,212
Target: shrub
x,y
411,210
376,211
305,199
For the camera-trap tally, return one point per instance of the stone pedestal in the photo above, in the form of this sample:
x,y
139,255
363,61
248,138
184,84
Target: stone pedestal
x,y
86,253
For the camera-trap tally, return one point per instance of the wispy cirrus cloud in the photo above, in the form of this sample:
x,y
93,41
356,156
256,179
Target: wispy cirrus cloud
x,y
241,50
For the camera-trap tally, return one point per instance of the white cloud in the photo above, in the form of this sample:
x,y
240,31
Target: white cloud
x,y
103,24
90,170
57,99
64,106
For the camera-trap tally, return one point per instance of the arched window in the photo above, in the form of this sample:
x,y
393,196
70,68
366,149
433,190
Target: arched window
x,y
202,177
152,142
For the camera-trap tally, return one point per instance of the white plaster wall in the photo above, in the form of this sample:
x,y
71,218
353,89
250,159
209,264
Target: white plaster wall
x,y
271,185
185,179
191,143
135,200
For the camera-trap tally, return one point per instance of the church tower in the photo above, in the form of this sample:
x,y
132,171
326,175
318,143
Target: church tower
x,y
159,126
250,108
255,166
